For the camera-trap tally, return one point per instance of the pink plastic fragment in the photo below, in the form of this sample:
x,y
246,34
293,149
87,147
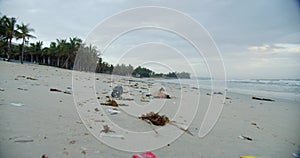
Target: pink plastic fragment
x,y
144,155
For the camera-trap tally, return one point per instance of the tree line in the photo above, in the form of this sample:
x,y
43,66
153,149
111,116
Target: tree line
x,y
63,53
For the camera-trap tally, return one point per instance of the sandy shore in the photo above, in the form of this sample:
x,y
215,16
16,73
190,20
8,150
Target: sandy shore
x,y
37,121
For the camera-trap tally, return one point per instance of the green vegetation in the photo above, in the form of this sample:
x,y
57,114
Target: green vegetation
x,y
144,72
63,53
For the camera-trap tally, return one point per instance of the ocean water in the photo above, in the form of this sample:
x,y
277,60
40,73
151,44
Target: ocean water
x,y
268,88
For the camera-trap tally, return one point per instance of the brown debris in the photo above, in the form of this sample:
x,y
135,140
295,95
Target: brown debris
x,y
58,90
246,138
24,140
106,129
44,156
263,99
65,152
30,78
72,142
112,102
155,118
23,89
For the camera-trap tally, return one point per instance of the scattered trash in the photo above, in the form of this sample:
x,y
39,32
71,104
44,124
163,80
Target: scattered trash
x,y
144,99
17,104
263,99
117,92
245,138
227,98
96,109
83,152
218,93
72,142
128,99
24,140
144,155
113,112
155,118
106,129
21,76
110,135
30,78
111,102
65,152
58,90
2,89
162,94
23,89
255,124
99,121
208,94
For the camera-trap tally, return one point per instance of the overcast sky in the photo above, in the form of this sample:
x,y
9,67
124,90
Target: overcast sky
x,y
256,39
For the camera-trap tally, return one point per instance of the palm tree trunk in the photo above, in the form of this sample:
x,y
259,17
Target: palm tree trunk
x,y
58,61
48,60
31,58
66,62
22,53
37,58
9,50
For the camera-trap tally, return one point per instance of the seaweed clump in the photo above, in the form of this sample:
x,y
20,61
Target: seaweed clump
x,y
155,118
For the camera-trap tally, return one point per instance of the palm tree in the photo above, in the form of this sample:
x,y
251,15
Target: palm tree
x,y
35,49
8,32
73,47
38,50
51,52
3,39
44,54
62,49
23,33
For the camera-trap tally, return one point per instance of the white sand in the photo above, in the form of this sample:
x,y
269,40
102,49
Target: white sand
x,y
51,121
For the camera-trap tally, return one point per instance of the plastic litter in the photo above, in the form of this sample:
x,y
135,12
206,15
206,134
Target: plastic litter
x,y
113,112
245,138
111,135
144,155
17,104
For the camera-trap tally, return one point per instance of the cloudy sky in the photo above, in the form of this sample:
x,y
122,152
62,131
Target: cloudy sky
x,y
256,39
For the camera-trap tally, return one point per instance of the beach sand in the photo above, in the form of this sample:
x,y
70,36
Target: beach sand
x,y
36,121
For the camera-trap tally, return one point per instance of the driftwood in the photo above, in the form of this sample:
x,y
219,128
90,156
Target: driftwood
x,y
245,138
58,90
263,99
